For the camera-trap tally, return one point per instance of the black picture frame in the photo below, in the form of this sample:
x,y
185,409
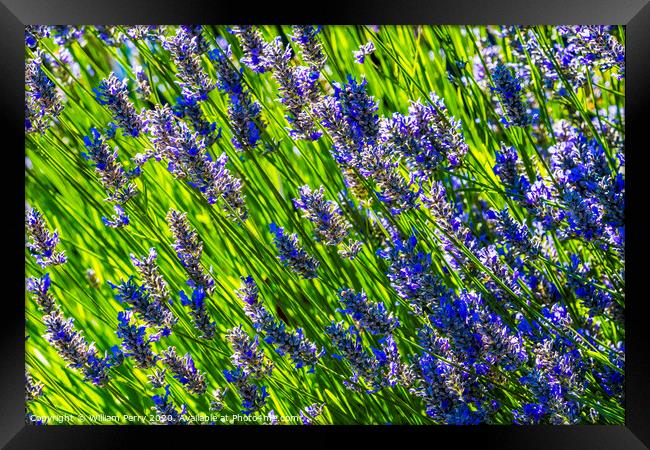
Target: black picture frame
x,y
634,14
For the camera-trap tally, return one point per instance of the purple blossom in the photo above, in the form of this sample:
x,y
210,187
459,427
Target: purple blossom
x,y
368,368
509,168
110,35
167,411
302,352
185,50
40,287
451,394
309,414
135,341
596,46
65,34
410,274
292,255
243,111
34,33
508,89
428,137
364,50
517,237
143,85
116,181
118,220
75,350
42,243
189,249
253,46
195,31
149,306
42,100
157,378
312,52
331,228
247,355
188,108
351,119
115,95
33,388
202,320
184,371
250,363
153,280
163,131
592,194
253,397
298,88
371,316
189,159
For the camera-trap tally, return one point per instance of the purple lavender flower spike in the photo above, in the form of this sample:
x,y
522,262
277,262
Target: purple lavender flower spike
x,y
302,352
298,88
150,274
115,95
351,118
311,48
330,225
243,111
74,349
42,100
188,108
157,378
508,89
509,168
371,316
189,249
247,354
34,33
135,341
147,303
33,388
596,46
118,220
184,371
250,364
195,31
42,243
189,159
143,85
428,137
292,255
411,276
114,178
167,411
202,320
40,287
309,414
65,34
365,367
253,397
184,47
451,395
253,46
364,50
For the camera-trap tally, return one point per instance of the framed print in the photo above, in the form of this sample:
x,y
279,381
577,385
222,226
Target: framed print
x,y
245,224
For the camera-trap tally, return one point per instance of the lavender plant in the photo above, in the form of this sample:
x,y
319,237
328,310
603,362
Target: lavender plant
x,y
184,371
453,210
114,94
42,243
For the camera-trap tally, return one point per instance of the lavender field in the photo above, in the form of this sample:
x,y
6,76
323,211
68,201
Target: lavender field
x,y
324,225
